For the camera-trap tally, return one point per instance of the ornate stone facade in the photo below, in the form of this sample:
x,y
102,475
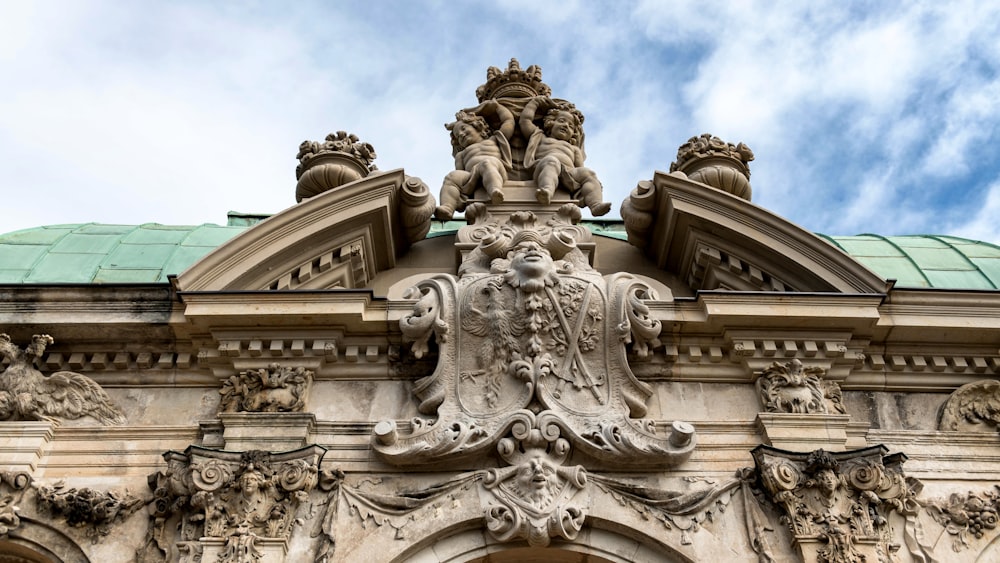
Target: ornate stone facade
x,y
333,385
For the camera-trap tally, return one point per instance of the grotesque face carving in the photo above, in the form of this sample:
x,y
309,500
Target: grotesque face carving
x,y
536,481
827,481
528,266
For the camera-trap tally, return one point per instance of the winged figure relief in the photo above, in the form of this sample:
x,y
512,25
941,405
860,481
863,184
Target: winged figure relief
x,y
27,394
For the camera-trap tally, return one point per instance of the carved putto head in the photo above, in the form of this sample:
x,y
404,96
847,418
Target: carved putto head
x,y
564,122
823,471
467,129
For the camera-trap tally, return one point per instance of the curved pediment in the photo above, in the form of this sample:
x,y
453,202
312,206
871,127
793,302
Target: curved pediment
x,y
340,238
714,240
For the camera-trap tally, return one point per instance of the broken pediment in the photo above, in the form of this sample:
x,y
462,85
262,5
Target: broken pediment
x,y
717,241
340,238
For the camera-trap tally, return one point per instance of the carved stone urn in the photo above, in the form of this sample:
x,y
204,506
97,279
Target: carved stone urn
x,y
714,162
339,160
326,171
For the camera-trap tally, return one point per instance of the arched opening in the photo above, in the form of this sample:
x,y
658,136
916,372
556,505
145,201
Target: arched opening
x,y
35,542
11,552
593,545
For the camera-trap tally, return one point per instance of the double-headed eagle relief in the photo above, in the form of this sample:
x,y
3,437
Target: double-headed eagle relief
x,y
528,336
518,137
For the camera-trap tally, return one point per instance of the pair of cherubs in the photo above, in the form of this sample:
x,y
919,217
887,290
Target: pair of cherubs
x,y
554,152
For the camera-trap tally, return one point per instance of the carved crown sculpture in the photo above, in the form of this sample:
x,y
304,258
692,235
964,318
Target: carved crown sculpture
x,y
513,83
712,161
340,159
26,394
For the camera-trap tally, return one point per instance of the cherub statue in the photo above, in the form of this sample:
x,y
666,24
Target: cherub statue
x,y
555,152
26,394
481,155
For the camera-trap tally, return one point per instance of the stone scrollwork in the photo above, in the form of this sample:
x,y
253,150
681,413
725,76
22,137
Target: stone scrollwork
x,y
794,388
12,487
273,389
973,407
537,337
27,394
837,504
239,498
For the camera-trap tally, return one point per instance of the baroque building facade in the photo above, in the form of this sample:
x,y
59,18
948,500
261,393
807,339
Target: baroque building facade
x,y
362,378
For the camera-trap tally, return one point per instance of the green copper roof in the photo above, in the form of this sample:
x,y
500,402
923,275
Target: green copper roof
x,y
96,253
927,260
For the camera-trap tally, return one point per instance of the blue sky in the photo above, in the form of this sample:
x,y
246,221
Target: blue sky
x,y
864,116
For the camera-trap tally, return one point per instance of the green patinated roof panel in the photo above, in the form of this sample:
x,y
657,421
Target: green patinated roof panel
x,y
97,253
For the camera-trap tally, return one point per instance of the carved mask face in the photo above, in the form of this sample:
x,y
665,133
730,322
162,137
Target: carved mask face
x,y
531,263
535,476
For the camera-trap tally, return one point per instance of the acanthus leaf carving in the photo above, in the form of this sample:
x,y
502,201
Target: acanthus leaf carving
x,y
12,487
27,394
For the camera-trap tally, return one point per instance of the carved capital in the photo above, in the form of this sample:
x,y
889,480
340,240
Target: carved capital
x,y
232,497
837,503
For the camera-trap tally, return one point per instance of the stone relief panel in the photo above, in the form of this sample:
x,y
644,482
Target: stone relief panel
x,y
275,388
27,394
837,505
531,335
967,517
792,387
973,407
234,502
